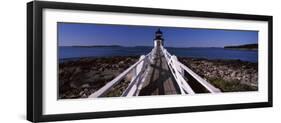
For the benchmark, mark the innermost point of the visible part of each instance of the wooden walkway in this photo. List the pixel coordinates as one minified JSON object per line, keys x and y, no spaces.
{"x":159,"y":80}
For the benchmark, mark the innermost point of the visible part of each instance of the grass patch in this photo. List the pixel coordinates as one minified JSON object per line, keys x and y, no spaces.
{"x":231,"y":86}
{"x":118,"y":89}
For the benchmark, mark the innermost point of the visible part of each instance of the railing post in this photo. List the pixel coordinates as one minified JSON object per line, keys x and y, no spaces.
{"x":139,"y":67}
{"x":176,"y":72}
{"x":152,"y":55}
{"x":141,"y":64}
{"x":136,"y":77}
{"x":176,"y":65}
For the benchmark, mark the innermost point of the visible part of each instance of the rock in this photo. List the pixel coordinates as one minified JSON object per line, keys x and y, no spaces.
{"x":108,"y":77}
{"x":233,"y":74}
{"x":85,"y":86}
{"x":84,"y":96}
{"x":101,"y":69}
{"x":81,"y":93}
{"x":121,"y":62}
{"x":73,"y":85}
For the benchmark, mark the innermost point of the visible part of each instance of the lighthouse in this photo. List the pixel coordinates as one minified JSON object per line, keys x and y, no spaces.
{"x":158,"y":40}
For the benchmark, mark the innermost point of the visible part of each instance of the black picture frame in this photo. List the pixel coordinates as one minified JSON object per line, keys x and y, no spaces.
{"x":34,"y":60}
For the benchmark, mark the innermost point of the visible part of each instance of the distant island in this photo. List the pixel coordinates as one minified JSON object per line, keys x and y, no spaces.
{"x":104,"y":46}
{"x":243,"y":47}
{"x":89,"y":46}
{"x":140,"y":46}
{"x":239,"y":47}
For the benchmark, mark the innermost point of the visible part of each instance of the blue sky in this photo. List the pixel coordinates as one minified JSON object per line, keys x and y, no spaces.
{"x":70,"y":34}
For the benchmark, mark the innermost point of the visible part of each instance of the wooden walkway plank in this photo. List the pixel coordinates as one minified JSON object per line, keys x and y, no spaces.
{"x":159,"y":80}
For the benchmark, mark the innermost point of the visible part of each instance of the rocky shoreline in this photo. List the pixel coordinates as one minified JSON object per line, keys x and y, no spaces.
{"x":81,"y":77}
{"x":227,"y":75}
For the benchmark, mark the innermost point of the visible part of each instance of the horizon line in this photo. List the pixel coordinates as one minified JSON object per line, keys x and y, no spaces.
{"x":149,"y":46}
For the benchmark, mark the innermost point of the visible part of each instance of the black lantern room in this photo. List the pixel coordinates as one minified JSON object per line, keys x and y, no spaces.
{"x":158,"y":40}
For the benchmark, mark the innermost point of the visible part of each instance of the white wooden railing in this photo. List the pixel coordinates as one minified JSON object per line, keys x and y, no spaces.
{"x":178,"y":69}
{"x":137,"y":73}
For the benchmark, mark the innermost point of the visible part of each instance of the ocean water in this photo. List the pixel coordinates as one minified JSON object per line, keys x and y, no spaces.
{"x":68,"y":53}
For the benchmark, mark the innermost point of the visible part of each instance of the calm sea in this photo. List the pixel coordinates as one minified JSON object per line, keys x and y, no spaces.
{"x":68,"y":53}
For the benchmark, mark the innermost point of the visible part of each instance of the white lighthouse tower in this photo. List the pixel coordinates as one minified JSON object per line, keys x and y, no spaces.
{"x":158,"y":40}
